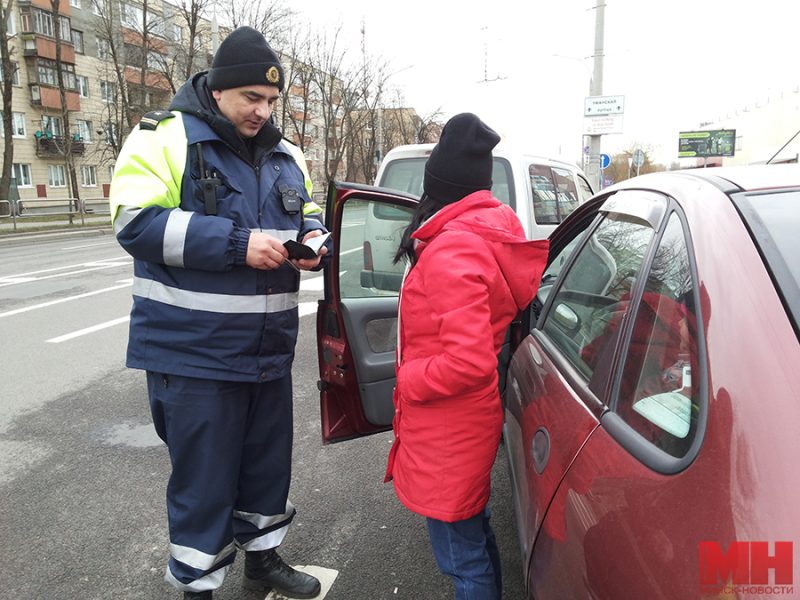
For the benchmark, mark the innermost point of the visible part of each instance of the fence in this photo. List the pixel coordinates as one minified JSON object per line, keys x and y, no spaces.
{"x":71,"y":208}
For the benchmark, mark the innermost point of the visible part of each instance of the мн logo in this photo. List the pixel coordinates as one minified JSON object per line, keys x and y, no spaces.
{"x":746,"y":566}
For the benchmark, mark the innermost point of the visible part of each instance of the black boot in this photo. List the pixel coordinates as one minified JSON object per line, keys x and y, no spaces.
{"x":265,"y":570}
{"x":197,"y":595}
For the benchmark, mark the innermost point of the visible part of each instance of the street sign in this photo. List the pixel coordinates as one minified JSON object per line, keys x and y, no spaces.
{"x":603,"y":105}
{"x":601,"y":124}
{"x":605,"y":161}
{"x":638,"y":158}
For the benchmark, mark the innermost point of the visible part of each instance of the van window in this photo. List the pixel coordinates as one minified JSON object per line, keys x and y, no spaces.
{"x":554,"y":193}
{"x":407,"y":174}
{"x":404,"y":175}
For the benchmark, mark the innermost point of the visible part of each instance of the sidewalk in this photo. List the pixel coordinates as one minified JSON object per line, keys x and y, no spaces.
{"x":31,"y":226}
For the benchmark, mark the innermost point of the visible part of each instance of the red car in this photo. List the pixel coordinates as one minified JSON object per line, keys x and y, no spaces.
{"x":652,"y":389}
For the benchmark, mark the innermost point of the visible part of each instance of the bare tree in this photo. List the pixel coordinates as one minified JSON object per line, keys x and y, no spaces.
{"x":271,"y":17}
{"x":66,"y":145}
{"x":7,"y":50}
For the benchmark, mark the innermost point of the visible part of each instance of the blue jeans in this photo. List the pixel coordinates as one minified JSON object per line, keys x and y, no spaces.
{"x":467,"y":552}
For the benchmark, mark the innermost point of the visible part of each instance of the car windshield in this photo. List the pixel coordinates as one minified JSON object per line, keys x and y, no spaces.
{"x":406,"y":175}
{"x":774,"y":219}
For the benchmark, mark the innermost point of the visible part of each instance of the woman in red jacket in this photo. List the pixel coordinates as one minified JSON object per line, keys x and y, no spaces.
{"x":471,"y":270}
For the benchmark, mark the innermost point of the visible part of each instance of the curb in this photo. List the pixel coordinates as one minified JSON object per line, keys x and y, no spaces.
{"x":82,"y":232}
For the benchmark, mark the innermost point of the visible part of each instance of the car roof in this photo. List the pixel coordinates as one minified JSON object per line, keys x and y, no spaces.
{"x":728,"y":179}
{"x":502,"y":150}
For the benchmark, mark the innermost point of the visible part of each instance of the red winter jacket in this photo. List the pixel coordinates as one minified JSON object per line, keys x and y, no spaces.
{"x":475,"y":271}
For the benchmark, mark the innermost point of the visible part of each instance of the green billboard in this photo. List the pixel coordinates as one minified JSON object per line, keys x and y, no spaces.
{"x":714,"y":142}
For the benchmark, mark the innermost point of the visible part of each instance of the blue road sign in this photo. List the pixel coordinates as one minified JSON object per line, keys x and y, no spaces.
{"x":605,"y":160}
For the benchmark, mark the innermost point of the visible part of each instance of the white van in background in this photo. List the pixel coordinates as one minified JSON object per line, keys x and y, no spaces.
{"x":542,"y":191}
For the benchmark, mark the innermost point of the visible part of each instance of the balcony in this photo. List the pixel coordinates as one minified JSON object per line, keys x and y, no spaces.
{"x":50,"y":146}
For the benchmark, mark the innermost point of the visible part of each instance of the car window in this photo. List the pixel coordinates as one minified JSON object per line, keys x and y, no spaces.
{"x":566,"y":191}
{"x":658,"y":396}
{"x":370,"y":236}
{"x":595,"y":293}
{"x":554,"y":193}
{"x":773,"y":219}
{"x":407,"y":175}
{"x":584,"y":189}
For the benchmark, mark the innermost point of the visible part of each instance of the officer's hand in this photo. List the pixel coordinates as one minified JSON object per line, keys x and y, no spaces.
{"x":264,"y":251}
{"x":309,"y":263}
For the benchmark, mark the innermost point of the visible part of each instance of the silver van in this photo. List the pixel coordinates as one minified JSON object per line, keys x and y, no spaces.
{"x":542,"y":191}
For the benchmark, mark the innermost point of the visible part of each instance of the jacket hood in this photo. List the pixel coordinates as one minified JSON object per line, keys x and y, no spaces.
{"x":194,"y":98}
{"x":521,"y":261}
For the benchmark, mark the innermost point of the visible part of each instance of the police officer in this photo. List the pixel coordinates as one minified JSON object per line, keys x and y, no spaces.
{"x":203,"y":197}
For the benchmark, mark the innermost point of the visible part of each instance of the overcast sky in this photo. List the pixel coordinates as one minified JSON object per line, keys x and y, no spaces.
{"x":677,"y":63}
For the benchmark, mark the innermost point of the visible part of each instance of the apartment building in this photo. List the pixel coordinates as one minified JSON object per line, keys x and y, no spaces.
{"x":118,"y":63}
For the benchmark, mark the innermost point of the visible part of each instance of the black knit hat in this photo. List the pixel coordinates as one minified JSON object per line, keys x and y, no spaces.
{"x":461,"y":163}
{"x":245,"y":58}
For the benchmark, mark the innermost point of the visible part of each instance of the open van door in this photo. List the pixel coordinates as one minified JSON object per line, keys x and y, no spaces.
{"x":357,"y":317}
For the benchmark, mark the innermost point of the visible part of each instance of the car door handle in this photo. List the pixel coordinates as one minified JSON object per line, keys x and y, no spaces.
{"x":540,"y":449}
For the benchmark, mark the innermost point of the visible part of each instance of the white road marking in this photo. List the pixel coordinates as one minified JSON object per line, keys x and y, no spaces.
{"x":113,"y":242}
{"x":312,"y":284}
{"x":92,"y":329}
{"x":307,"y":308}
{"x":349,"y":251}
{"x":110,"y":263}
{"x":326,"y":578}
{"x":60,"y":300}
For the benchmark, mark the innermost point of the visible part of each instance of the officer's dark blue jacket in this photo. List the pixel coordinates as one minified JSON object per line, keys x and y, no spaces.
{"x":198,"y":309}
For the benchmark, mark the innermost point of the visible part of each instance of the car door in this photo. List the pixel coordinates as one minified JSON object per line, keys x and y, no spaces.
{"x":559,"y":376}
{"x":357,"y":317}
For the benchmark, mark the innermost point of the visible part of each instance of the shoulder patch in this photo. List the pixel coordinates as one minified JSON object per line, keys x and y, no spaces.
{"x":150,"y":121}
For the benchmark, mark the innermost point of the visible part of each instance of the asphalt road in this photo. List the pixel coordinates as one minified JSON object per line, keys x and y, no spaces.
{"x":83,"y":476}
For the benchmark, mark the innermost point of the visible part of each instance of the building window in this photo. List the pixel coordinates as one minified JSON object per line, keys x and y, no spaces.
{"x":132,"y":16}
{"x":75,"y":3}
{"x":18,"y":124}
{"x":14,"y":73}
{"x":84,"y":130}
{"x":111,"y":172}
{"x":66,"y":30}
{"x":97,"y":7}
{"x":177,"y":33}
{"x":52,"y":125}
{"x":89,"y":176}
{"x":83,"y":86}
{"x":12,"y":24}
{"x":155,"y":61}
{"x":42,"y":22}
{"x":77,"y":40}
{"x":108,"y":91}
{"x":110,"y":131}
{"x":46,"y":70}
{"x":22,"y":173}
{"x":103,"y":49}
{"x":56,"y":176}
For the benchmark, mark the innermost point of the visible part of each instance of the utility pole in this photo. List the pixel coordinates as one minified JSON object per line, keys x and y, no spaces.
{"x":593,"y":172}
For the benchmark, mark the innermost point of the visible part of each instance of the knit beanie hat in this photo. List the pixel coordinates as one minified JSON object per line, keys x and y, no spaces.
{"x":461,"y":163}
{"x":245,"y":58}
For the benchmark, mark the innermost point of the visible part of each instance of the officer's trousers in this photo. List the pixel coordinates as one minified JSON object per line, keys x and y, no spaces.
{"x":230,"y":444}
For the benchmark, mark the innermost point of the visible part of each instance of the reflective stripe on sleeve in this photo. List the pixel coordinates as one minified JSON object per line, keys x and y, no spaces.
{"x":218,"y":303}
{"x":175,"y":236}
{"x":125,"y":215}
